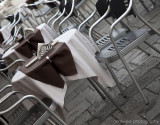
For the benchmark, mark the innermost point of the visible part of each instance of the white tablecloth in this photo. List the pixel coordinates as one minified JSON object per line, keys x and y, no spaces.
{"x":84,"y":56}
{"x":86,"y":64}
{"x":47,"y":33}
{"x":6,"y":32}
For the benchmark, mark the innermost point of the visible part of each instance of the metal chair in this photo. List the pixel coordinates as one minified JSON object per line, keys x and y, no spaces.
{"x":111,"y":48}
{"x":37,"y":115}
{"x":17,"y":114}
{"x":71,"y":13}
{"x":17,"y":62}
{"x":17,"y":20}
{"x":16,"y":29}
{"x":42,"y":8}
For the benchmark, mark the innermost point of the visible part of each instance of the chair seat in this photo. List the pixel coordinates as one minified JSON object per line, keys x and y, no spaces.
{"x":69,"y":27}
{"x":105,"y":40}
{"x":125,"y":44}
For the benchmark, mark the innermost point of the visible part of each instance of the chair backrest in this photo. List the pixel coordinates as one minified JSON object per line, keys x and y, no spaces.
{"x":67,"y":7}
{"x":102,"y":6}
{"x":51,"y":4}
{"x":74,"y":14}
{"x":36,"y":115}
{"x":10,"y":18}
{"x":106,"y":9}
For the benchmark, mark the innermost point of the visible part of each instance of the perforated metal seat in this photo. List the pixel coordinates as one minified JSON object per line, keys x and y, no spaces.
{"x":124,"y":44}
{"x":37,"y":115}
{"x":105,"y":40}
{"x":68,"y":28}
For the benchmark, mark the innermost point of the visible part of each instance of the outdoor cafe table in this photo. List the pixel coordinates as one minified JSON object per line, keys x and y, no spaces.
{"x":23,"y":51}
{"x":86,"y":65}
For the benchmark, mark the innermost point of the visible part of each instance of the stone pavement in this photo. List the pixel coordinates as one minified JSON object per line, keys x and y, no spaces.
{"x":84,"y":106}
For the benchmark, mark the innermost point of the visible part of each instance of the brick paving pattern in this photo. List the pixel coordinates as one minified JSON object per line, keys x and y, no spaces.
{"x":84,"y":106}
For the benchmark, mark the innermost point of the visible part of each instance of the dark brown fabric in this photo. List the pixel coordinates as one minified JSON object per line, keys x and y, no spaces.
{"x":27,"y":46}
{"x":30,"y":1}
{"x":1,"y":38}
{"x":118,"y":7}
{"x":44,"y":71}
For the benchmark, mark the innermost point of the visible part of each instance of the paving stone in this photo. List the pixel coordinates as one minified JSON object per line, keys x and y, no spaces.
{"x":155,"y":121}
{"x":94,"y":98}
{"x":136,"y":120}
{"x":153,"y":39}
{"x":65,"y":111}
{"x":131,"y":55}
{"x":114,"y":92}
{"x":134,"y":106}
{"x":154,"y":86}
{"x":146,"y":66}
{"x":77,"y":111}
{"x":141,"y":70}
{"x":148,"y":17}
{"x":101,"y":110}
{"x":94,"y":121}
{"x":70,"y":97}
{"x":154,"y":111}
{"x":86,"y":93}
{"x":82,"y":119}
{"x":121,"y":74}
{"x":81,"y":88}
{"x":110,"y":121}
{"x":139,"y":59}
{"x":72,"y":85}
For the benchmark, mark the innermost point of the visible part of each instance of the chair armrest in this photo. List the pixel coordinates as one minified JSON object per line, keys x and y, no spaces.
{"x":5,"y":87}
{"x":12,"y":64}
{"x":4,"y":98}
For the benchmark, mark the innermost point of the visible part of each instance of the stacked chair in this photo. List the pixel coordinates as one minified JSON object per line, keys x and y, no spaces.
{"x":114,"y":45}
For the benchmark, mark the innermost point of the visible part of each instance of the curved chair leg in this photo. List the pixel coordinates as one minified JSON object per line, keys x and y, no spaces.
{"x":121,"y":56}
{"x":115,"y":78}
{"x":96,"y":88}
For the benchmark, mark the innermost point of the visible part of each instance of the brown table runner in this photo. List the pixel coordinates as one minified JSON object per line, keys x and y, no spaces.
{"x":44,"y":71}
{"x":27,"y":46}
{"x":30,"y":1}
{"x":1,"y":38}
